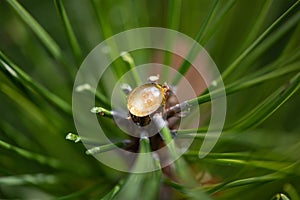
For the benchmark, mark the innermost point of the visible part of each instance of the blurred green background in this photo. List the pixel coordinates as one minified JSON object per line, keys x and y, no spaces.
{"x":265,"y":149}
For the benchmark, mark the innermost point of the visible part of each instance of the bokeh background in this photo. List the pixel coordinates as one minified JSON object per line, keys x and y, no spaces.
{"x":265,"y":152}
